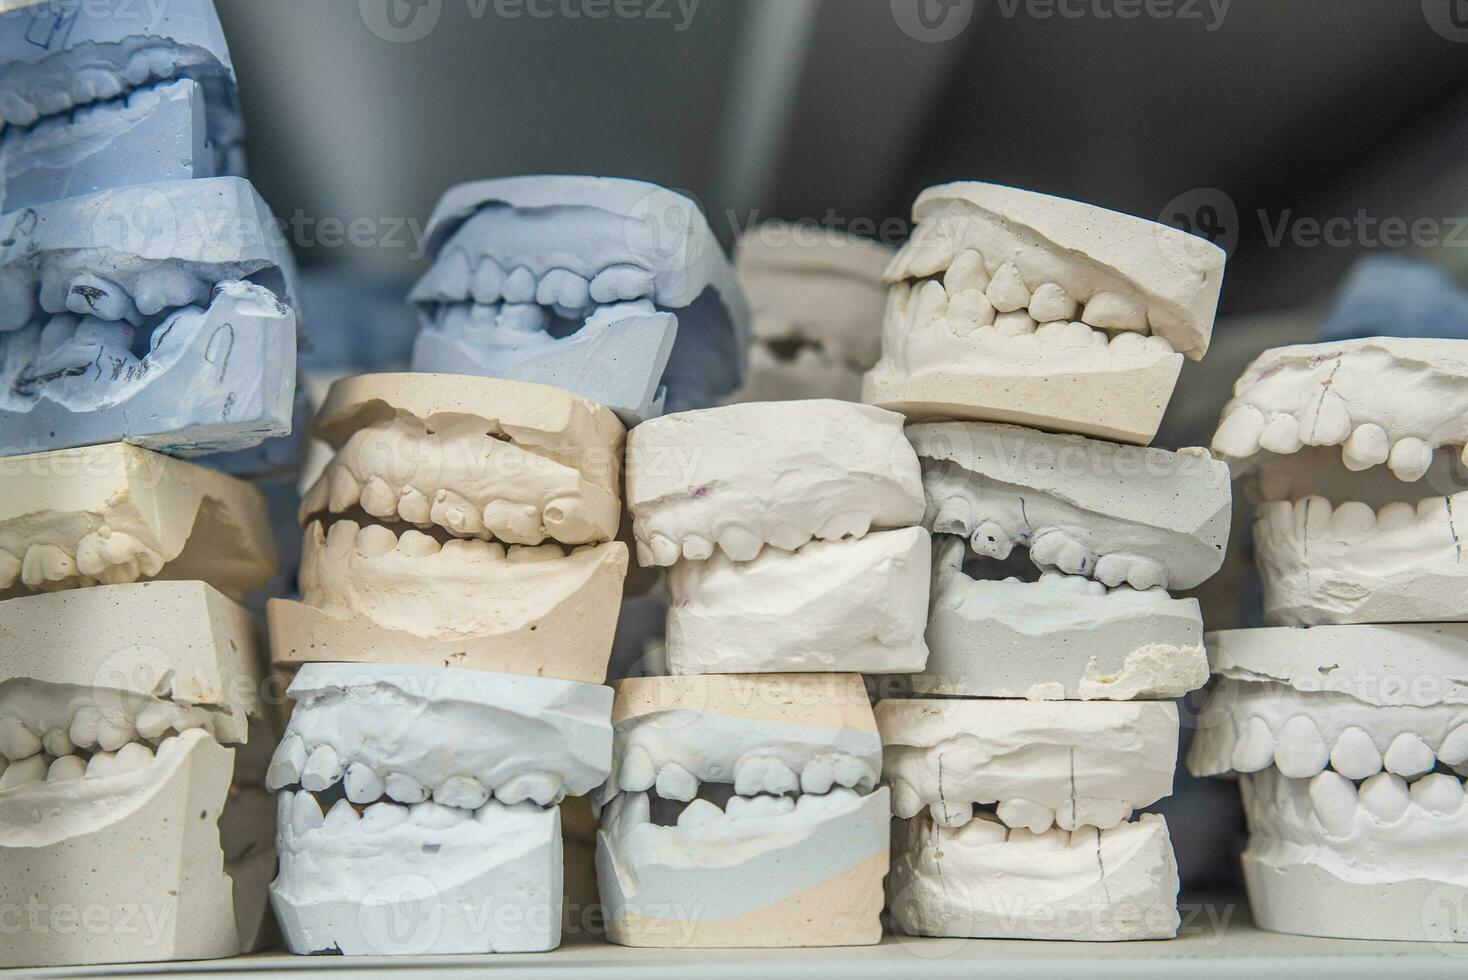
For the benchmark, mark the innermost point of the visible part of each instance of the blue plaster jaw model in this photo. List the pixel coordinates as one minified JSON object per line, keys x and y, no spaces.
{"x":615,"y":289}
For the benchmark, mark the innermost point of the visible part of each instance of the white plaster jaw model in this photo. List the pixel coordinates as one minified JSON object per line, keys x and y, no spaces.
{"x":119,"y":708}
{"x":463,"y":522}
{"x":1110,"y":528}
{"x":743,"y":810}
{"x":1351,"y":744}
{"x":549,"y":279}
{"x":116,"y":514}
{"x":1060,"y":856}
{"x":417,"y":805}
{"x":1011,"y":306}
{"x":1390,"y":551}
{"x":815,"y":300}
{"x":789,"y":526}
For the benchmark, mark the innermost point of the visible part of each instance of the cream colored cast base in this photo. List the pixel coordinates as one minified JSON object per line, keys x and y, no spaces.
{"x":115,"y":514}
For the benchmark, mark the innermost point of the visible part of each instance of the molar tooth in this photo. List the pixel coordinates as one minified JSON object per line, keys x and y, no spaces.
{"x":966,"y":273}
{"x":90,"y":295}
{"x":414,"y":507}
{"x":699,"y":813}
{"x":1113,"y":311}
{"x":1366,"y":447}
{"x":133,"y":755}
{"x":525,"y":554}
{"x":16,"y":740}
{"x":382,"y":817}
{"x":1007,"y":290}
{"x":1112,"y":570}
{"x":1076,"y":335}
{"x":17,"y":110}
{"x":345,"y":490}
{"x":416,"y":544}
{"x":1327,"y":421}
{"x":374,"y":541}
{"x":1145,"y":573}
{"x":1016,"y":324}
{"x":1454,"y":749}
{"x":306,"y":814}
{"x":101,"y":765}
{"x":1255,"y":748}
{"x":541,"y":788}
{"x":1352,"y":518}
{"x":676,"y":783}
{"x":1410,"y":459}
{"x":951,"y":815}
{"x":637,"y":774}
{"x":981,"y":831}
{"x":113,"y":732}
{"x":758,"y":807}
{"x":323,"y":769}
{"x":379,"y":499}
{"x":1035,"y":817}
{"x":67,"y":768}
{"x":1051,"y":302}
{"x":617,"y":283}
{"x":341,"y":538}
{"x":992,"y":540}
{"x":1128,"y":342}
{"x":1438,"y":793}
{"x":1385,"y":797}
{"x":487,"y":285}
{"x":740,"y":544}
{"x":361,"y":782}
{"x":968,"y":311}
{"x":852,"y":524}
{"x":1395,"y":516}
{"x":404,"y":788}
{"x":1238,"y":437}
{"x":1281,"y":435}
{"x":851,"y":772}
{"x":514,"y":523}
{"x":1302,"y":751}
{"x":561,"y":287}
{"x":163,"y":288}
{"x":1409,"y":757}
{"x":764,"y":775}
{"x":1046,"y":548}
{"x":463,"y":792}
{"x":455,"y":513}
{"x":286,"y":764}
{"x":818,"y":776}
{"x":23,"y":771}
{"x":1334,"y":799}
{"x":1355,"y":755}
{"x":696,"y":548}
{"x":44,"y":564}
{"x":1095,"y":813}
{"x":341,"y":817}
{"x":56,"y":743}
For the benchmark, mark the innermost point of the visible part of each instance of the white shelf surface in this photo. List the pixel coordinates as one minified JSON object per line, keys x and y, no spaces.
{"x":1200,"y":952}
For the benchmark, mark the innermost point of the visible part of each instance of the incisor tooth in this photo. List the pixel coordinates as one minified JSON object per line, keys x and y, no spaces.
{"x":1238,"y":437}
{"x":636,"y":774}
{"x":306,"y":813}
{"x":1255,"y":748}
{"x":17,"y":741}
{"x":345,"y":491}
{"x":286,"y":764}
{"x":9,"y":569}
{"x":323,"y":769}
{"x":1334,"y":799}
{"x":966,"y":273}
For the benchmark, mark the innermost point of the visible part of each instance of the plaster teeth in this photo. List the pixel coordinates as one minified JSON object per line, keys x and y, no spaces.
{"x":739,"y":544}
{"x":513,"y":523}
{"x":341,"y":538}
{"x":101,"y":765}
{"x":525,"y":554}
{"x":382,"y":817}
{"x":1366,"y":447}
{"x":621,"y":283}
{"x":951,"y":815}
{"x":665,"y":550}
{"x":361,"y":783}
{"x":9,"y":569}
{"x":1113,"y":311}
{"x":1051,"y":302}
{"x":344,"y":491}
{"x":1438,"y":793}
{"x":1281,"y":435}
{"x":637,"y":773}
{"x":1145,"y":574}
{"x":561,"y":287}
{"x":852,"y":773}
{"x":676,"y":783}
{"x":1355,"y":755}
{"x":374,"y":541}
{"x":113,"y":732}
{"x":323,"y":769}
{"x":453,"y":512}
{"x":45,"y":564}
{"x":758,"y":807}
{"x":981,"y":831}
{"x":403,"y":788}
{"x":1016,"y":324}
{"x":462,"y":792}
{"x":314,"y":501}
{"x":164,"y":288}
{"x":542,"y":789}
{"x":1410,"y":459}
{"x":306,"y":814}
{"x":56,"y":743}
{"x":84,"y":726}
{"x":1385,"y":797}
{"x":1352,"y":518}
{"x":286,"y":764}
{"x":133,"y":755}
{"x":850,"y":525}
{"x":699,"y":813}
{"x":992,"y":540}
{"x":414,"y":507}
{"x":1095,"y":814}
{"x":24,"y":771}
{"x":17,"y":741}
{"x":342,"y":817}
{"x":764,"y":775}
{"x":1254,"y":750}
{"x":1302,"y":751}
{"x":786,"y":537}
{"x":153,"y":720}
{"x":488,"y":282}
{"x":818,"y":776}
{"x":1035,"y":817}
{"x":519,"y":286}
{"x":1454,"y":748}
{"x":90,"y":295}
{"x":1395,"y":516}
{"x":379,"y":499}
{"x":1007,"y":289}
{"x":906,"y":803}
{"x":968,"y":311}
{"x":65,"y":769}
{"x":1327,"y":420}
{"x":966,"y":274}
{"x":416,"y":544}
{"x":1334,"y":798}
{"x":1241,"y":433}
{"x":1409,"y":756}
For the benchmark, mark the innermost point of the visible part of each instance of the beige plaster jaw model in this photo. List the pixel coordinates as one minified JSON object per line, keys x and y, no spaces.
{"x":1017,"y":307}
{"x":1378,"y":549}
{"x":464,"y":522}
{"x":1059,"y":857}
{"x":119,"y":708}
{"x":815,"y":301}
{"x":116,"y":514}
{"x":743,"y":810}
{"x":1351,"y":744}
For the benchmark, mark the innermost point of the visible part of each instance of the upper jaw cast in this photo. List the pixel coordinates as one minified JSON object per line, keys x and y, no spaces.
{"x":539,"y":278}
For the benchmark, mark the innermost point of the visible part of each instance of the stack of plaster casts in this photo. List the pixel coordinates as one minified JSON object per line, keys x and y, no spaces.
{"x":146,"y":313}
{"x":1349,"y":738}
{"x":744,"y":805}
{"x":461,"y":579}
{"x":1038,"y":727}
